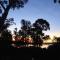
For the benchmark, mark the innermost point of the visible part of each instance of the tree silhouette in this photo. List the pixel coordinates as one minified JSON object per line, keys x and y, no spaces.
{"x":6,"y":36}
{"x":25,"y":26}
{"x":47,"y":37}
{"x":35,"y":30}
{"x":56,"y":39}
{"x":6,"y":24}
{"x":15,"y":31}
{"x":6,"y":39}
{"x":20,"y":33}
{"x":54,"y":49}
{"x":55,"y":1}
{"x":6,"y":5}
{"x":39,"y":26}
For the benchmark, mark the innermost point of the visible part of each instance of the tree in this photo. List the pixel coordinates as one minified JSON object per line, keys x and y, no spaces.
{"x":20,"y":33}
{"x":6,"y":36}
{"x":15,"y":31}
{"x":56,"y":39}
{"x":6,"y":39}
{"x":55,"y":1}
{"x":47,"y":37}
{"x":39,"y":26}
{"x":35,"y":30}
{"x":6,"y":5}
{"x":6,"y":24}
{"x":25,"y":26}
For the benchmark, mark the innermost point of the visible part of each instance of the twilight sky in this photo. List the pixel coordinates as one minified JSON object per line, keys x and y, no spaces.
{"x":35,"y":9}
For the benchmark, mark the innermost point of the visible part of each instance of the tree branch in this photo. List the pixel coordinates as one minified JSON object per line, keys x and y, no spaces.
{"x":2,"y":6}
{"x":4,"y":15}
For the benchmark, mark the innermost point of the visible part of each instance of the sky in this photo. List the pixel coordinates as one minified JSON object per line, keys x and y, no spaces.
{"x":35,"y":9}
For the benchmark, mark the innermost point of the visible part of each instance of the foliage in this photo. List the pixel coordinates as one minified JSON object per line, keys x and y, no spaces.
{"x":35,"y":30}
{"x":15,"y":31}
{"x":47,"y":37}
{"x":5,"y":6}
{"x":6,"y":35}
{"x":6,"y":38}
{"x":56,"y":39}
{"x":6,"y":24}
{"x":11,"y":4}
{"x":55,"y":1}
{"x":25,"y":27}
{"x":39,"y":26}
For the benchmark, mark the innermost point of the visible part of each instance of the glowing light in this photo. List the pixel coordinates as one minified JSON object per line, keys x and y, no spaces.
{"x":57,"y":34}
{"x":13,"y":37}
{"x":51,"y":36}
{"x":44,"y":46}
{"x":30,"y":45}
{"x":13,"y":45}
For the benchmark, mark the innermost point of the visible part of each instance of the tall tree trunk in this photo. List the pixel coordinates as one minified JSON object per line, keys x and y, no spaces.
{"x":4,"y":15}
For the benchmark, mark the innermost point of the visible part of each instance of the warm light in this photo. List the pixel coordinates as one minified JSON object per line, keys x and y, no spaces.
{"x":13,"y":45}
{"x":30,"y":45}
{"x":13,"y":37}
{"x":44,"y":46}
{"x":48,"y":41}
{"x":30,"y":39}
{"x":57,"y":34}
{"x":51,"y":36}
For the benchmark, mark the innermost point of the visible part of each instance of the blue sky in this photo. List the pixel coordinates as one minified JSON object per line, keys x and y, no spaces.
{"x":35,"y":9}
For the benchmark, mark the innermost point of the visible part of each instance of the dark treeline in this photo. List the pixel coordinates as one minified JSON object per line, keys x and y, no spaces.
{"x":35,"y":31}
{"x":52,"y":52}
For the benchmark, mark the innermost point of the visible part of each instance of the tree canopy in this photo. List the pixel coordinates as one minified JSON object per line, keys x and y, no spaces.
{"x":55,"y":1}
{"x":34,"y":30}
{"x":5,"y":6}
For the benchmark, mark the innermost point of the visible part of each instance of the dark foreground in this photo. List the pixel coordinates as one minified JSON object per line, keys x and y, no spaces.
{"x":33,"y":53}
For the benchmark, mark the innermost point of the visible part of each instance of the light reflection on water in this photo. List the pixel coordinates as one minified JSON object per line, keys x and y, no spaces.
{"x":44,"y":46}
{"x":30,"y":45}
